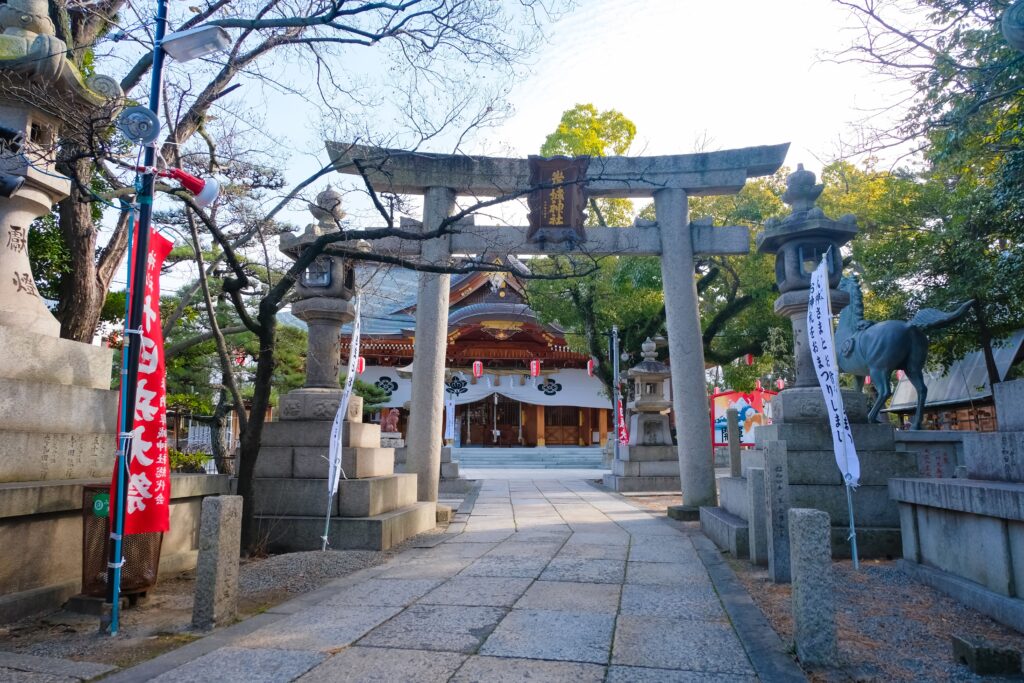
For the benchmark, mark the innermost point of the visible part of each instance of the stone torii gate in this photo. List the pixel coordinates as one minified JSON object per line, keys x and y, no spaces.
{"x":670,"y":180}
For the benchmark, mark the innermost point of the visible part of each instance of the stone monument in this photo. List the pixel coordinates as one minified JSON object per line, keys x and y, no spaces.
{"x":374,"y":508}
{"x":649,"y":461}
{"x":57,"y":413}
{"x":965,"y":536}
{"x":810,"y":478}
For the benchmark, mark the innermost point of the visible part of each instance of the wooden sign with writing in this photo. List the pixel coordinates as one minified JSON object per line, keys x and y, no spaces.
{"x":557,"y":202}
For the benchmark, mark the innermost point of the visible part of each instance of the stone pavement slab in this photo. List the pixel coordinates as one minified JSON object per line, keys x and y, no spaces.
{"x":571,"y":597}
{"x":636,"y":674}
{"x":14,"y":666}
{"x":688,"y":601}
{"x":594,"y":551}
{"x":584,"y":570}
{"x":324,"y":628}
{"x":514,"y":567}
{"x":479,"y":669}
{"x":478,"y":591}
{"x":385,"y":665}
{"x":666,"y":574}
{"x":437,"y":627}
{"x":252,"y":665}
{"x":666,"y":643}
{"x":385,"y":592}
{"x":547,"y":634}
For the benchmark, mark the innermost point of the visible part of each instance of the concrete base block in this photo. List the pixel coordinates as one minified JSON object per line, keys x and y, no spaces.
{"x":444,"y":514}
{"x":871,"y":504}
{"x":51,"y":360}
{"x":36,"y":456}
{"x":27,"y":406}
{"x":815,"y":436}
{"x":1009,"y":611}
{"x":296,"y":433}
{"x":807,"y":405}
{"x":292,"y":497}
{"x":446,"y":454}
{"x":375,"y":495}
{"x":358,"y":463}
{"x":683,"y":513}
{"x":449,"y":470}
{"x":732,"y":495}
{"x":400,"y":456}
{"x":986,"y":659}
{"x":726,"y":530}
{"x":645,"y":468}
{"x":649,"y":453}
{"x":623,"y":484}
{"x":379,"y":532}
{"x":994,"y":456}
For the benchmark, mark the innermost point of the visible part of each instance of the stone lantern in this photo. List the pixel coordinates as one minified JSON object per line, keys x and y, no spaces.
{"x":324,"y":291}
{"x":799,"y":241}
{"x":648,"y":426}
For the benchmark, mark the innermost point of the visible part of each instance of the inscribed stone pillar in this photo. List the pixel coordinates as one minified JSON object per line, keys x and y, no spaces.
{"x":426,"y":415}
{"x":757,"y":510}
{"x":776,"y":470}
{"x":686,"y":350}
{"x":220,"y":537}
{"x":732,"y":420}
{"x":814,"y":607}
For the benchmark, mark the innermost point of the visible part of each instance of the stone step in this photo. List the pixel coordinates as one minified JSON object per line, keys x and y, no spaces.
{"x":811,"y":436}
{"x":656,"y":468}
{"x":379,"y":532}
{"x":640,"y":484}
{"x":726,"y":530}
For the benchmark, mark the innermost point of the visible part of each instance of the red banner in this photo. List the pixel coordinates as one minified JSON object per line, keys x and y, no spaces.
{"x":149,"y":481}
{"x":623,"y":431}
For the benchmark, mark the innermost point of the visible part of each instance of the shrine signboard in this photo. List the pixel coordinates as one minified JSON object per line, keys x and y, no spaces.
{"x":556,"y":205}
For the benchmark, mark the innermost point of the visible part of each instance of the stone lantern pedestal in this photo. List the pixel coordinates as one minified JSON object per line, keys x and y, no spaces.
{"x":793,"y":463}
{"x":375,"y":508}
{"x":650,"y":461}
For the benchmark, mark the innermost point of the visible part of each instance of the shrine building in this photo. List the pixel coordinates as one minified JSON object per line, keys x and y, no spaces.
{"x":490,"y":324}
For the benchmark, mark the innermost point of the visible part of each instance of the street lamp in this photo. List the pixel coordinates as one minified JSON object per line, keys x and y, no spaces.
{"x":181,"y":45}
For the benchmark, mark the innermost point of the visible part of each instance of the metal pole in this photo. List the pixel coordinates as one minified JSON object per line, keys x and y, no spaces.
{"x":853,"y":529}
{"x":133,"y":326}
{"x":615,"y":381}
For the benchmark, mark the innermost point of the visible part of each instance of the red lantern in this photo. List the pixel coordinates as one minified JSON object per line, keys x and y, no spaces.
{"x":534,"y":368}
{"x":750,"y":359}
{"x":781,"y":384}
{"x":867,"y":379}
{"x":478,"y":369}
{"x":360,"y":365}
{"x":757,"y":385}
{"x":590,"y":367}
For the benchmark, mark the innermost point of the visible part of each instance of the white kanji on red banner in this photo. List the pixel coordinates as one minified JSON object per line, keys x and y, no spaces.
{"x":147,"y":506}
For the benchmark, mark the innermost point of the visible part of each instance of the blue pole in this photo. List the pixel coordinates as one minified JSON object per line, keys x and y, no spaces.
{"x":133,"y":327}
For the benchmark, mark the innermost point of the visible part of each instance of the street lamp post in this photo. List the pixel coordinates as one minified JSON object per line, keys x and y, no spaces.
{"x":183,"y":45}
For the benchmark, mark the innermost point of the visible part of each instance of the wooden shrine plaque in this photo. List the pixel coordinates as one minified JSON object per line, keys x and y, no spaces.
{"x":556,"y":203}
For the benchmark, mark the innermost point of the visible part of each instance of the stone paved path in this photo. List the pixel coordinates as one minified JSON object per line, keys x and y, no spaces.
{"x":548,"y":580}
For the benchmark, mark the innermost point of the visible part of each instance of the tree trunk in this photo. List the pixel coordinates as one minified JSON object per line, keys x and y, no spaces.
{"x":80,"y":297}
{"x":985,"y":336}
{"x":253,"y":433}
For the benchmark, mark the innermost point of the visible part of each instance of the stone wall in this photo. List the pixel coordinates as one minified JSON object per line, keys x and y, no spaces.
{"x":42,"y":524}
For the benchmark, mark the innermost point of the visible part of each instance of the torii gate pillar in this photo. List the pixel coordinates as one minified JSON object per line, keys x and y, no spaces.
{"x":686,"y":351}
{"x":423,"y":454}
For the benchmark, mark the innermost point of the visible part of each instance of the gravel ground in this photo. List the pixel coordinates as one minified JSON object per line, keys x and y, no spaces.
{"x":162,"y":621}
{"x":890,"y":627}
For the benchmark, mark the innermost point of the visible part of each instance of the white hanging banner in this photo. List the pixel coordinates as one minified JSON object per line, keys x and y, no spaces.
{"x":334,"y":474}
{"x":823,"y":354}
{"x":449,"y":417}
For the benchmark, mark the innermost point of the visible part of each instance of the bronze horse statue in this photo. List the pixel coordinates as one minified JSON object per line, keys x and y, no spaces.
{"x":878,"y":348}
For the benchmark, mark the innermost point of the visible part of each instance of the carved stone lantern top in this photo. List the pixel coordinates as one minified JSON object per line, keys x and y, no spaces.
{"x":801,"y":239}
{"x":649,"y":377}
{"x":329,"y":275}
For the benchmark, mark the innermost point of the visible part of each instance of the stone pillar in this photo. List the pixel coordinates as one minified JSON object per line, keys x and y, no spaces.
{"x":793,"y":305}
{"x":324,"y":317}
{"x":814,"y":607}
{"x":776,"y":469}
{"x":686,"y":351}
{"x":757,"y":522}
{"x":426,"y":415}
{"x":732,"y":421}
{"x":220,"y":538}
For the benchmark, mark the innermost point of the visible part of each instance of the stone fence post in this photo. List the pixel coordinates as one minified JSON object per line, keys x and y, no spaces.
{"x":220,"y":538}
{"x":814,"y":606}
